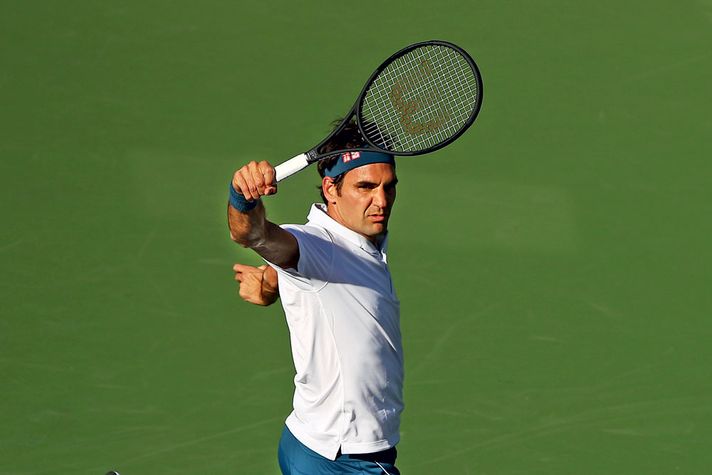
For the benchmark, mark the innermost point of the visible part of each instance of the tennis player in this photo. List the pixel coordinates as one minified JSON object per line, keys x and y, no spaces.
{"x":341,"y":309}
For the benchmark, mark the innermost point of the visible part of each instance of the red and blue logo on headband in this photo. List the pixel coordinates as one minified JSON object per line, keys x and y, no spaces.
{"x":350,"y":160}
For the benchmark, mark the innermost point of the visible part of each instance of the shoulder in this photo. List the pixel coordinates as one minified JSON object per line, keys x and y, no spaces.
{"x":310,"y":232}
{"x":316,"y":250}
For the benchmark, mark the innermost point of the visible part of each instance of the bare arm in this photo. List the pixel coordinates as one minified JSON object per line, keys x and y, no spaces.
{"x":251,"y":228}
{"x":258,"y":285}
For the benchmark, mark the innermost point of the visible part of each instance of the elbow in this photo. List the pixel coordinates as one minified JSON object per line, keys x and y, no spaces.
{"x":240,"y":239}
{"x":246,"y":240}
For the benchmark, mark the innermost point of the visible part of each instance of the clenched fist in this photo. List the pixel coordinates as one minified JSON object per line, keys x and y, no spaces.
{"x":255,"y":180}
{"x":258,"y":285}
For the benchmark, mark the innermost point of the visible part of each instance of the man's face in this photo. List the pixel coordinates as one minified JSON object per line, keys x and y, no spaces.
{"x":365,"y":200}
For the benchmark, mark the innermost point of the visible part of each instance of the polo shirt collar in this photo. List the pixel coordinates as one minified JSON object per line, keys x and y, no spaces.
{"x":318,"y":215}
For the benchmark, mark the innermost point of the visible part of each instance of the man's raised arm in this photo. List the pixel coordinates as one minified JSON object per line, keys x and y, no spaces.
{"x":247,"y":219}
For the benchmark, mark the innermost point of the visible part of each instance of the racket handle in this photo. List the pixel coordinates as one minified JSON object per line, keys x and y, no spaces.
{"x":291,"y":166}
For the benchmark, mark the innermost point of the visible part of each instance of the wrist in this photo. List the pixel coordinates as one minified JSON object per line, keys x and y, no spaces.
{"x":239,"y":202}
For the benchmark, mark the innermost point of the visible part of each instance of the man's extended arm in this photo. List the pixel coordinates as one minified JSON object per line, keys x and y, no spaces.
{"x":250,"y":228}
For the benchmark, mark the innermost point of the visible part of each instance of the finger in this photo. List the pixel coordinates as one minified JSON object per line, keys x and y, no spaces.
{"x":268,"y":172}
{"x":257,"y":174}
{"x":242,"y":186}
{"x":257,"y":178}
{"x":251,"y":186}
{"x":262,"y":267}
{"x":247,"y":295}
{"x":270,"y":183}
{"x":243,"y":294}
{"x":245,"y":269}
{"x":237,"y":181}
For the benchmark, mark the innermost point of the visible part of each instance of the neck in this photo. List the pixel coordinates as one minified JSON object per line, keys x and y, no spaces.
{"x":334,"y":214}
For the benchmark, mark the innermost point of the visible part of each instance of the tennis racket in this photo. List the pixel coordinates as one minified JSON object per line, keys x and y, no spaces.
{"x":419,"y":100}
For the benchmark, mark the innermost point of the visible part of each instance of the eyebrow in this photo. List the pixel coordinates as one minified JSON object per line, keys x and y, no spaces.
{"x":371,"y":183}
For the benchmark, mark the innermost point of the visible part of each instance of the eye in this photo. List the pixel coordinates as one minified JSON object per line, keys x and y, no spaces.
{"x":365,"y":186}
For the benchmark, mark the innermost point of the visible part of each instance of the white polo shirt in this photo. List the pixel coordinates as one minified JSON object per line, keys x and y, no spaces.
{"x":344,"y":325}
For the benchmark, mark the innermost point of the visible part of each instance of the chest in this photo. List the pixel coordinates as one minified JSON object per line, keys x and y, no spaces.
{"x":361,"y":269}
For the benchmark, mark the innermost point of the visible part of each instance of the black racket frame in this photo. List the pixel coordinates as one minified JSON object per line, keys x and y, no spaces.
{"x":314,"y":154}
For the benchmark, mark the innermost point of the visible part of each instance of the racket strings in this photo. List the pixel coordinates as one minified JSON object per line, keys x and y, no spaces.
{"x":420,"y":100}
{"x":447,"y":106}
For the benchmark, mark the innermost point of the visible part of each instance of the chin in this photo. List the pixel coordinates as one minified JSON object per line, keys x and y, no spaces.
{"x":378,"y":230}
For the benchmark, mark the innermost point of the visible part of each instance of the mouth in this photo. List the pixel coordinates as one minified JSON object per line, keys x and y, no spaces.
{"x":378,"y":218}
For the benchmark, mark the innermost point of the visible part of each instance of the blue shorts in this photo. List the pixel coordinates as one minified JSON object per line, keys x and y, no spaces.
{"x":296,"y":458}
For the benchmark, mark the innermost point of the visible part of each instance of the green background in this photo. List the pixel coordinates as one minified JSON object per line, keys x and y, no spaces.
{"x":553,"y":264}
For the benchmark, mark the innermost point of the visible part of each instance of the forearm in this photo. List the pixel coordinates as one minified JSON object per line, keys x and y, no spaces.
{"x":252,"y":230}
{"x":247,"y":228}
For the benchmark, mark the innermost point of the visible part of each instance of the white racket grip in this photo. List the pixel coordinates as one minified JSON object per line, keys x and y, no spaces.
{"x":291,"y":166}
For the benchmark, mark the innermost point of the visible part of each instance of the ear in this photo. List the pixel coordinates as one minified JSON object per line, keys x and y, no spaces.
{"x":329,"y":189}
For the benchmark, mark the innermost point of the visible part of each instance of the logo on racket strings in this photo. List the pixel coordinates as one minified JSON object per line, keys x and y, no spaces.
{"x":427,"y":100}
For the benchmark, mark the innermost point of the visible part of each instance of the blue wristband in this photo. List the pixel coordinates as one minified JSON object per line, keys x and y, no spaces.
{"x":238,"y":201}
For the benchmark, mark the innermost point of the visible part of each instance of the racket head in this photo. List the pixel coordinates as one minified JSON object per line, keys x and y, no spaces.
{"x":420,"y":99}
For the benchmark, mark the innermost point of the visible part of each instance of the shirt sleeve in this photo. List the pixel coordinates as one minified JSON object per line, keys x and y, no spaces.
{"x":316,"y":250}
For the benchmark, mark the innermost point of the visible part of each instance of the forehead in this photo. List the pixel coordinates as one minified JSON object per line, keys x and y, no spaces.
{"x":374,"y":173}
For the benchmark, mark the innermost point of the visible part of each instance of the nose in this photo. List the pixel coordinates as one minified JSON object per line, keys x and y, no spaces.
{"x":380,"y":197}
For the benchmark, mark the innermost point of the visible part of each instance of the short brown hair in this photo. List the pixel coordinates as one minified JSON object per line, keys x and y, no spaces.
{"x":348,"y":137}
